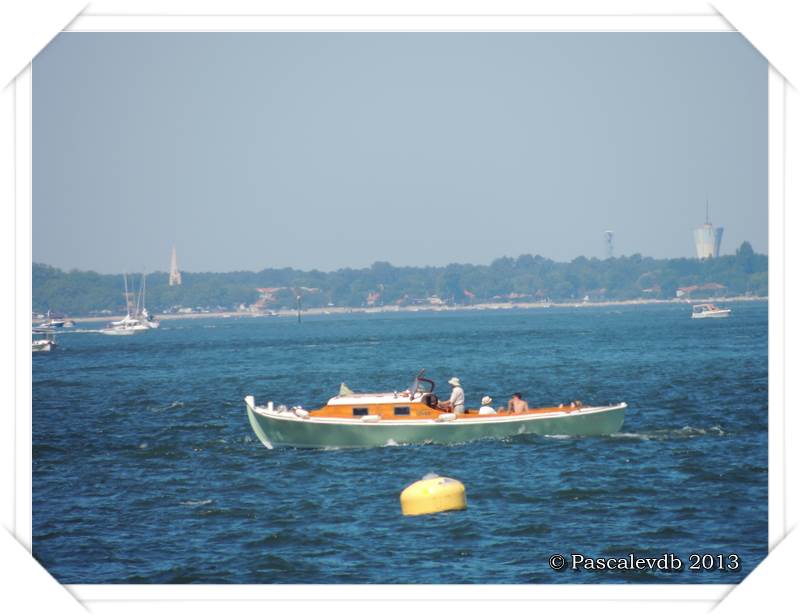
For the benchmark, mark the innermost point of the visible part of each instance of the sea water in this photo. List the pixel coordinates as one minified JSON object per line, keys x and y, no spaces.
{"x":145,"y":469}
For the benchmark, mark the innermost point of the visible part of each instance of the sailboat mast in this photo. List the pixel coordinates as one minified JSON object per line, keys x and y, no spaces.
{"x":127,"y":297}
{"x":138,"y":301}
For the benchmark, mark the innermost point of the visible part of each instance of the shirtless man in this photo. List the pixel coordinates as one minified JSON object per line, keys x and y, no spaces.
{"x":517,"y":404}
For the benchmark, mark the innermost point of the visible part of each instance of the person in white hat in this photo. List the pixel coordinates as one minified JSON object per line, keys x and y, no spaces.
{"x":485,"y":408}
{"x":456,"y":402}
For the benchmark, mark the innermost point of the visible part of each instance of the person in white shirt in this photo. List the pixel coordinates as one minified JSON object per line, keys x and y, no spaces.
{"x":485,"y":408}
{"x":456,"y":402}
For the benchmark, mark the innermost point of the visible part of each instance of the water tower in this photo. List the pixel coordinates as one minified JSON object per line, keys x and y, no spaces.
{"x":609,"y":244}
{"x":707,"y":239}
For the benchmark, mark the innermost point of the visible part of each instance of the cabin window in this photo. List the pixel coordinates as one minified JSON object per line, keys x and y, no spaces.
{"x":360,"y":412}
{"x":402,"y":410}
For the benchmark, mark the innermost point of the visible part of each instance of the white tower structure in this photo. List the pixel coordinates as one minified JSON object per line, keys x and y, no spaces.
{"x":707,"y":239}
{"x":174,"y":273}
{"x":609,"y":244}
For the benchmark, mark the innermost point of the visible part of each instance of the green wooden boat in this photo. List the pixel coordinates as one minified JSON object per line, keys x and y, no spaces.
{"x":415,"y":416}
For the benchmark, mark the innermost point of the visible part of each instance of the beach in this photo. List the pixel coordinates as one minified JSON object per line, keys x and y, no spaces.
{"x":426,"y":308}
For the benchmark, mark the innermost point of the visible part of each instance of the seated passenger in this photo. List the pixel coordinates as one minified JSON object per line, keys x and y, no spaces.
{"x":517,"y":404}
{"x":485,"y":408}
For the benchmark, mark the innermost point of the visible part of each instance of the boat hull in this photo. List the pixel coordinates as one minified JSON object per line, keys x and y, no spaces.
{"x":121,"y":331}
{"x":286,"y":429}
{"x":712,"y":315}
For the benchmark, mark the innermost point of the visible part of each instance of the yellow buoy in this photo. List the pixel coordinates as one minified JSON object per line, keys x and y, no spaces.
{"x":433,"y":494}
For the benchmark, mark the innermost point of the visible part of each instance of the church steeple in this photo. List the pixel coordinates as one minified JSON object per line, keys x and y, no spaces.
{"x":174,"y":273}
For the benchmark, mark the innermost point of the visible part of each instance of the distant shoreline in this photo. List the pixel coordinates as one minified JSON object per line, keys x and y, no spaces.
{"x":427,"y":308}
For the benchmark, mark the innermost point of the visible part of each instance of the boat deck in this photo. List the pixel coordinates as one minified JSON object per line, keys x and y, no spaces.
{"x":403,"y":410}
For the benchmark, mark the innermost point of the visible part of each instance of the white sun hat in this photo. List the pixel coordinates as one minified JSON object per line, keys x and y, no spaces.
{"x":486,"y":400}
{"x":454,"y":382}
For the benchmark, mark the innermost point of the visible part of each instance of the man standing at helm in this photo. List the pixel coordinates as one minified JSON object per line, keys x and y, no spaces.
{"x":456,"y":401}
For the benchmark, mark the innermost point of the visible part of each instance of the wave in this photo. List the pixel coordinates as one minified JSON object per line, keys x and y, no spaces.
{"x":197,"y":503}
{"x":580,"y":493}
{"x":525,"y":530}
{"x":175,"y":404}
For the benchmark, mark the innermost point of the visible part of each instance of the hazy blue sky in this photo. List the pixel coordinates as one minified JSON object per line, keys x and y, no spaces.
{"x":330,"y":150}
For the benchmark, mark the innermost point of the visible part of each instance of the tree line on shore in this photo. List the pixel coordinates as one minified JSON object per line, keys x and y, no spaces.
{"x":524,"y":279}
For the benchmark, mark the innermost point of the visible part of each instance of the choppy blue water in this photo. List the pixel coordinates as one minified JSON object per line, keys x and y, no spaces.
{"x":145,"y":468}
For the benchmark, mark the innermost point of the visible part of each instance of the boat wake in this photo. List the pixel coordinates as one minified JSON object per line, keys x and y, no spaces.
{"x":671,"y":434}
{"x":654,"y":435}
{"x":176,"y":404}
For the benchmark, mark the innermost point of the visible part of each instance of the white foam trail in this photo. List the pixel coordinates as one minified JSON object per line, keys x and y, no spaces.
{"x":661,"y":435}
{"x":643,"y":437}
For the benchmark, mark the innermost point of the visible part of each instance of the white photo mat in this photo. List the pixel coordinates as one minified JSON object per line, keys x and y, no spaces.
{"x":414,"y":16}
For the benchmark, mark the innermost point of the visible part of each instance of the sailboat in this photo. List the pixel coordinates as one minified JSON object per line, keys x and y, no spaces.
{"x":140,"y":314}
{"x":131,"y":323}
{"x":145,"y":317}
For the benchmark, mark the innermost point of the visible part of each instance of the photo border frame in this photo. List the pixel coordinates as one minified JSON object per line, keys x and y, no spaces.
{"x":95,"y":19}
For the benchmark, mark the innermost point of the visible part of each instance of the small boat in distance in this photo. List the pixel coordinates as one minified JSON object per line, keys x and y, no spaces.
{"x":53,"y":321}
{"x":709,"y":311}
{"x":47,"y":343}
{"x":126,"y":329}
{"x":413,"y":416}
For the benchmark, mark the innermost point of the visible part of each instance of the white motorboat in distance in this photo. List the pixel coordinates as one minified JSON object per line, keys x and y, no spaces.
{"x":709,"y":311}
{"x":48,"y":343}
{"x":127,"y":329}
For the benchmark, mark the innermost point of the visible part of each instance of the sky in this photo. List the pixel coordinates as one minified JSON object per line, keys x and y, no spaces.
{"x":327,"y":150}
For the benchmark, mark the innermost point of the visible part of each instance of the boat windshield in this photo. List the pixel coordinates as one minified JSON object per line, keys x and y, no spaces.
{"x":421,"y":385}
